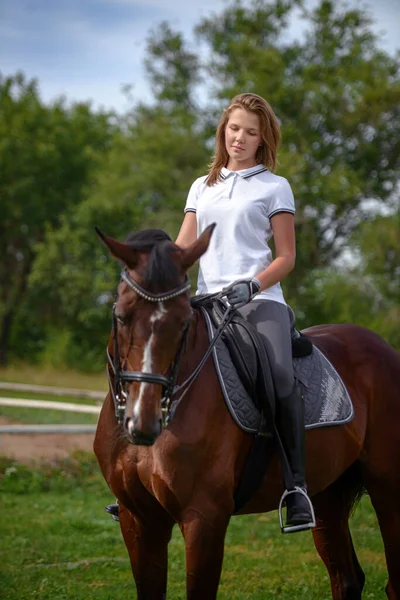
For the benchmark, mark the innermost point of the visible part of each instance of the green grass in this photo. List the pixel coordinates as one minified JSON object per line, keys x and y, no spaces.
{"x":51,"y":377}
{"x":50,"y":397}
{"x":47,"y":375}
{"x":40,"y":416}
{"x":58,"y":544}
{"x":47,"y":416}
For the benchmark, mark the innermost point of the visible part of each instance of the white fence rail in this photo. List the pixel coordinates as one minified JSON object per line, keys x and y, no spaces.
{"x":64,"y":406}
{"x":19,"y":429}
{"x":55,"y":391}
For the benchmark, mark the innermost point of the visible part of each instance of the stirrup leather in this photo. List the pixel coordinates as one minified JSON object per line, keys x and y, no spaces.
{"x":302,"y":526}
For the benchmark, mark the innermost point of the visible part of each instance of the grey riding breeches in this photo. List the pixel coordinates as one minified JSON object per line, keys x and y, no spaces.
{"x":271,"y":320}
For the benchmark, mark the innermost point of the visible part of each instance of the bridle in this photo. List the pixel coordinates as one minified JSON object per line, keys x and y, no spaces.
{"x":168,"y":382}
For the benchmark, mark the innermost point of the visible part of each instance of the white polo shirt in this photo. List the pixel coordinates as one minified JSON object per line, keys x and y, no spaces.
{"x":241,"y":205}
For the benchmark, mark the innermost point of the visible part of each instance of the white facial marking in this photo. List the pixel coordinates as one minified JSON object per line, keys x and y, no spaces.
{"x":147,"y":362}
{"x":130,"y":426}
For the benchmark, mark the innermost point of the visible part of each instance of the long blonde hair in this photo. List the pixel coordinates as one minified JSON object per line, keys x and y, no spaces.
{"x":269,"y":129}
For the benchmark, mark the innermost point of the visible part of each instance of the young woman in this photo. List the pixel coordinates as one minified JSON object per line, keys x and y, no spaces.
{"x":250,"y":204}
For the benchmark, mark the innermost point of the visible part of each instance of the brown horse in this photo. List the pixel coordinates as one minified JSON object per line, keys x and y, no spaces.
{"x":187,"y":472}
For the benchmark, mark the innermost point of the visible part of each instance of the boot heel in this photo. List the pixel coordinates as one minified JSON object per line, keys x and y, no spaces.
{"x":112,"y":509}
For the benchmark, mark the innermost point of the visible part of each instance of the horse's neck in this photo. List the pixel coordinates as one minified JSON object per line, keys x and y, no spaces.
{"x":196,"y":346}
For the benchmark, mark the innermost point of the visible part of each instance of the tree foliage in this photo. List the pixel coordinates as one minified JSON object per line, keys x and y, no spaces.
{"x":141,"y":182}
{"x":173,"y":71}
{"x":47,"y":156}
{"x":66,"y":169}
{"x":337,"y":96}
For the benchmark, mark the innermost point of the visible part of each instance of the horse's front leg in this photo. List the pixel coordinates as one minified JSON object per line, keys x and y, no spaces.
{"x":204,"y":534}
{"x":147,"y":540}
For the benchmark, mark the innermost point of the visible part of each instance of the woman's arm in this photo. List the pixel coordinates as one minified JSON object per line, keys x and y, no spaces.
{"x":188,"y":232}
{"x":285,"y":247}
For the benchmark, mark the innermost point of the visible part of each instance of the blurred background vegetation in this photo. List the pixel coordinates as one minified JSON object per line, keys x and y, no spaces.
{"x":65,"y":168}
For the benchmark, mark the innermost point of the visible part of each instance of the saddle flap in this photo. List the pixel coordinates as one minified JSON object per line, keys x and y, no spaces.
{"x":248,"y":356}
{"x":240,"y":346}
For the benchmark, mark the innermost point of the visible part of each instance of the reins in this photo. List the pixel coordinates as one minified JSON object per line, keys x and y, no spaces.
{"x":192,"y":377}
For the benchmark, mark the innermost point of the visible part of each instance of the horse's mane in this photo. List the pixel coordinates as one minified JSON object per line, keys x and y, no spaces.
{"x":161,"y":272}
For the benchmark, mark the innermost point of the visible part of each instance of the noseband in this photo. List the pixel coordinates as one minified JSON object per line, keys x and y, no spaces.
{"x":120,"y":376}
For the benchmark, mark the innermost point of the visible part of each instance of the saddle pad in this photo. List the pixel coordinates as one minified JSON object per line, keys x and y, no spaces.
{"x":326,"y":400}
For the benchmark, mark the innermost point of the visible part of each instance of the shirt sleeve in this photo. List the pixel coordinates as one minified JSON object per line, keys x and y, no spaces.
{"x":282,"y":199}
{"x":193,"y":195}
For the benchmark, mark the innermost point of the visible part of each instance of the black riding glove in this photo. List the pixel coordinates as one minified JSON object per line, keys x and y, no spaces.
{"x":242,"y":291}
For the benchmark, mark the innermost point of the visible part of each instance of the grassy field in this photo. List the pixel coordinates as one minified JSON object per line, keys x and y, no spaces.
{"x":46,"y":375}
{"x":36,"y":416}
{"x":47,"y":416}
{"x":57,"y":544}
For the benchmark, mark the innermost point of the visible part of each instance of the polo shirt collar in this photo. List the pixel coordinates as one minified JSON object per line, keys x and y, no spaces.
{"x":244,"y":173}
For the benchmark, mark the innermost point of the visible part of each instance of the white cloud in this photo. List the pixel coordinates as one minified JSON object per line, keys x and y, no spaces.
{"x":89,"y":48}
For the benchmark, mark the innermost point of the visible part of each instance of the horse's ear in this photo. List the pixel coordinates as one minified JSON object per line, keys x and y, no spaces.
{"x":120,"y":250}
{"x":194,"y":251}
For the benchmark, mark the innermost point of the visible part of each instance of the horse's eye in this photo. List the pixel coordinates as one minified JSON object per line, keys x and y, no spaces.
{"x":121,"y":320}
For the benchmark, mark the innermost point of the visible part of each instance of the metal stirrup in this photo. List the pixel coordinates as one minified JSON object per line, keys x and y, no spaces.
{"x":302,"y":526}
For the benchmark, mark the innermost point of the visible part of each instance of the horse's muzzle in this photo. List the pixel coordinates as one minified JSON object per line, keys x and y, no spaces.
{"x":140,"y":438}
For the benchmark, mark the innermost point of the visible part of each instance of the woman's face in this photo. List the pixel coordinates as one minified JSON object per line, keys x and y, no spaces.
{"x":242,"y":139}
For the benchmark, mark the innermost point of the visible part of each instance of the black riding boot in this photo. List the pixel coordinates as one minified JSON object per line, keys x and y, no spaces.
{"x":112,"y":509}
{"x":290,"y":413}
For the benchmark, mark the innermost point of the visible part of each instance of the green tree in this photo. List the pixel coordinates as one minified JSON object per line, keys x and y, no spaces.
{"x":173,"y":71}
{"x":47,"y":154}
{"x":337,"y":95}
{"x":367,"y":290}
{"x":378,"y":242}
{"x":338,"y":98}
{"x":141,"y":182}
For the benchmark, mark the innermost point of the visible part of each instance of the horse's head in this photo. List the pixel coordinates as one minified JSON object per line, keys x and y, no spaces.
{"x":151,"y":317}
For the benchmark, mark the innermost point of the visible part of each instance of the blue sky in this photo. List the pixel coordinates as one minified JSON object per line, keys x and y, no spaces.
{"x":87,"y":49}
